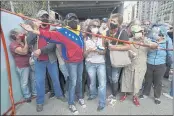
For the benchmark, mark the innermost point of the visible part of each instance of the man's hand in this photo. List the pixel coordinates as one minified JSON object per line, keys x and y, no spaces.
{"x":154,"y":46}
{"x":93,"y":49}
{"x":37,"y":53}
{"x":26,"y":27}
{"x":112,"y":47}
{"x":26,"y":40}
{"x":37,"y":24}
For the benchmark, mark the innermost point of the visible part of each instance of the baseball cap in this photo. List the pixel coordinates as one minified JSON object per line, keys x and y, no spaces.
{"x":41,"y":13}
{"x":70,"y":15}
{"x":136,"y":28}
{"x":105,"y":20}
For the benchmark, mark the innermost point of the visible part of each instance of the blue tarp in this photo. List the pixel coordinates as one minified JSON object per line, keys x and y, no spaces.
{"x":8,"y":22}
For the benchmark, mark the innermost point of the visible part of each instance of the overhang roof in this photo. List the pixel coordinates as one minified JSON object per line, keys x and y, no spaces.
{"x":86,"y":9}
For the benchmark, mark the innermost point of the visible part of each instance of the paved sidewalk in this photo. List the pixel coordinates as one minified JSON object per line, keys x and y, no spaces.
{"x":147,"y":107}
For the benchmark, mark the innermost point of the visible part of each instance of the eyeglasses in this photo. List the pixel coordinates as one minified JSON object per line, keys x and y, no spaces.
{"x":114,"y":21}
{"x":141,"y":31}
{"x":160,"y":35}
{"x":95,"y":26}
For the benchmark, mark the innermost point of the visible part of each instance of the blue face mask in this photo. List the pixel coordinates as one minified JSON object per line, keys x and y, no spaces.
{"x":155,"y":36}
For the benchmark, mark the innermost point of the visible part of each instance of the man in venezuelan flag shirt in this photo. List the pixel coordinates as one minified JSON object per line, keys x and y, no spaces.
{"x":72,"y":44}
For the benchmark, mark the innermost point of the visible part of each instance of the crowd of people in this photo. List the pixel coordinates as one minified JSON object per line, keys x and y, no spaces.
{"x":63,"y":60}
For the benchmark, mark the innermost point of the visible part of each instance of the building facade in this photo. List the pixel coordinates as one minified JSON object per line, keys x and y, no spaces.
{"x":155,"y":11}
{"x":147,"y":11}
{"x":165,"y":12}
{"x":129,"y":13}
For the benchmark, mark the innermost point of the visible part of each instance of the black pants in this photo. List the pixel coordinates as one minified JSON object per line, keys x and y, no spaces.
{"x":115,"y":87}
{"x":85,"y":79}
{"x":154,"y":74}
{"x":166,"y":75}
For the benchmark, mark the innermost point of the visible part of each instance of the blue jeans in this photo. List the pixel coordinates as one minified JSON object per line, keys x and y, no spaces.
{"x":115,"y":75}
{"x":100,"y":70}
{"x":75,"y":71}
{"x":40,"y":69}
{"x":171,"y":90}
{"x":33,"y":81}
{"x":24,"y":81}
{"x":64,"y":71}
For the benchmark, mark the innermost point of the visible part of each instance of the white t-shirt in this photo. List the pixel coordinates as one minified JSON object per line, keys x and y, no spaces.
{"x":94,"y":57}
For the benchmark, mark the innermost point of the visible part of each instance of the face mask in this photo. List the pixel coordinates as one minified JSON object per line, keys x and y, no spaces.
{"x":45,"y":21}
{"x":94,"y":30}
{"x":104,"y":25}
{"x":21,"y":37}
{"x":72,"y":24}
{"x":155,"y":36}
{"x":113,"y":26}
{"x":138,"y":36}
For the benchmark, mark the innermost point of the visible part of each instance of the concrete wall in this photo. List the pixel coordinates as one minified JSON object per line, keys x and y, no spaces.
{"x":8,"y":22}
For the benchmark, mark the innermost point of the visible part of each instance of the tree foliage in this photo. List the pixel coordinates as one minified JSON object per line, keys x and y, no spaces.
{"x":28,"y":8}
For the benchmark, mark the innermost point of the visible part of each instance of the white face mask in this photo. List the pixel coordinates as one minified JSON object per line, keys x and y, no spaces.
{"x":104,"y":25}
{"x":94,"y":30}
{"x":138,"y":36}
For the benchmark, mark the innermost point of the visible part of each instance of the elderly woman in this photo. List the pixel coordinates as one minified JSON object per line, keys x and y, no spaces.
{"x":133,"y":75}
{"x":156,"y":63}
{"x":20,"y":51}
{"x":95,"y":63}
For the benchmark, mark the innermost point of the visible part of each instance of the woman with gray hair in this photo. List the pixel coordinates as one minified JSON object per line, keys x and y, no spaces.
{"x":19,"y":49}
{"x":133,"y":74}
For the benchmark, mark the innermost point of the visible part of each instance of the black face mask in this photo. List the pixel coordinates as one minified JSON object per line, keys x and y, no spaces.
{"x":72,"y":24}
{"x":113,"y":26}
{"x":45,"y":21}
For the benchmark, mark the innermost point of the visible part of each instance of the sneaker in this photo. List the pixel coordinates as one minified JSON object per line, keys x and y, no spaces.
{"x":170,"y":79}
{"x":110,"y":97}
{"x":100,"y":108}
{"x":63,"y":99}
{"x":73,"y":109}
{"x":123,"y":98}
{"x":47,"y":91}
{"x":82,"y":103}
{"x":91,"y":98}
{"x":157,"y":101}
{"x":51,"y":95}
{"x":167,"y":95}
{"x":28,"y":100}
{"x":143,"y":96}
{"x":136,"y":101}
{"x":113,"y":101}
{"x":39,"y":107}
{"x":34,"y":95}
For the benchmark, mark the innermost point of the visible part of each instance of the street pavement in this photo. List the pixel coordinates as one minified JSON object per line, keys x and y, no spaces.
{"x":147,"y":106}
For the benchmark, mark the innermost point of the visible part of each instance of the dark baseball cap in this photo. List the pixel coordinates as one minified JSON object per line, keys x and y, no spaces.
{"x":70,"y":15}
